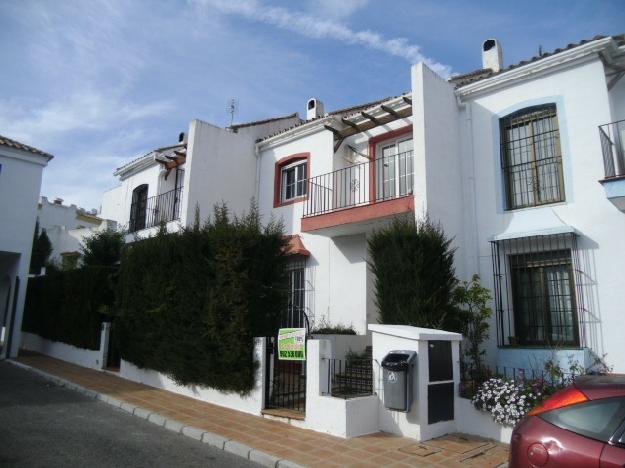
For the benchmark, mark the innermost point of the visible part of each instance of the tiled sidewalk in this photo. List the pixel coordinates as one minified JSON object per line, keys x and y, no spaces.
{"x":301,"y":446}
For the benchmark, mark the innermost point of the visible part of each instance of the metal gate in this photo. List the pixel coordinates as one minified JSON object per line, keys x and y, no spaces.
{"x":285,"y":387}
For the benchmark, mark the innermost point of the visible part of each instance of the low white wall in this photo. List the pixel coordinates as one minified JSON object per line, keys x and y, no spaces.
{"x":324,"y":413}
{"x":62,"y":351}
{"x":251,"y":403}
{"x":343,"y":344}
{"x":480,"y":423}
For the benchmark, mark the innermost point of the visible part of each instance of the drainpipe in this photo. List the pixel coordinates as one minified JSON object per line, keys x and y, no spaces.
{"x":257,"y":183}
{"x":469,"y":126}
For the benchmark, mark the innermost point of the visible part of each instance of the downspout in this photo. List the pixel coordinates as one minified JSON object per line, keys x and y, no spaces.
{"x":257,"y":182}
{"x":469,"y":126}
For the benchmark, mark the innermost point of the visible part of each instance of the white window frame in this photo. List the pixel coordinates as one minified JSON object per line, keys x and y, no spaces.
{"x":299,"y":168}
{"x":398,"y":174}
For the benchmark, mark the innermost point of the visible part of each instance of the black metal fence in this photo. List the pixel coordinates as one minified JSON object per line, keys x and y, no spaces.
{"x":543,"y":379}
{"x":613,"y":146}
{"x":155,"y":210}
{"x":360,"y":184}
{"x":350,"y":378}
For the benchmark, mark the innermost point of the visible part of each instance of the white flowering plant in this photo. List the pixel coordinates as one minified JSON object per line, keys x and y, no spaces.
{"x":507,"y":401}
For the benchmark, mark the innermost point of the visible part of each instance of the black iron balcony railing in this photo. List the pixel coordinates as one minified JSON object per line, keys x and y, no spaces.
{"x":361,"y":184}
{"x":153,"y":211}
{"x":613,"y":147}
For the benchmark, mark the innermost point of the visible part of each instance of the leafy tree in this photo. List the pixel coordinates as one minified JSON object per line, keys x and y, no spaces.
{"x":41,"y":250}
{"x":471,"y":297}
{"x":414,"y":274}
{"x":103,"y":248}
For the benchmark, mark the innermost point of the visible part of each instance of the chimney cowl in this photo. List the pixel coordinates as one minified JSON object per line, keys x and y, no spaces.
{"x":58,"y":201}
{"x":492,"y":55}
{"x":314,"y":109}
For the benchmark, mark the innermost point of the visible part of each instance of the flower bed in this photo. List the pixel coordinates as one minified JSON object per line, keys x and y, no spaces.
{"x":507,"y":402}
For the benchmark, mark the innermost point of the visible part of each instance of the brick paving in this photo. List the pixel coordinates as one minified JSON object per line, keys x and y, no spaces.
{"x":301,"y":446}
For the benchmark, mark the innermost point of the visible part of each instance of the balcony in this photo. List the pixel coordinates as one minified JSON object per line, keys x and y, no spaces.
{"x":355,"y":198}
{"x":150,"y":212}
{"x":613,"y":146}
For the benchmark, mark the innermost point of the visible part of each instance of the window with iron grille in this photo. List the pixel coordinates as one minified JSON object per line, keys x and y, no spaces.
{"x":294,"y":316}
{"x":531,"y":157}
{"x":543,"y":295}
{"x":538,"y":289}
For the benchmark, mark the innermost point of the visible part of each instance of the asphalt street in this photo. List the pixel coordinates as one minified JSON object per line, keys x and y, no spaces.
{"x":44,"y":425}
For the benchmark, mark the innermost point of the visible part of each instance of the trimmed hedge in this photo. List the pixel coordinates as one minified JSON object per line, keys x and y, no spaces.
{"x":190,"y":303}
{"x":67,"y":306}
{"x":413,"y":264}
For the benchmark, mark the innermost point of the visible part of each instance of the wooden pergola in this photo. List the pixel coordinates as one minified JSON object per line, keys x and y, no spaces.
{"x":364,"y":120}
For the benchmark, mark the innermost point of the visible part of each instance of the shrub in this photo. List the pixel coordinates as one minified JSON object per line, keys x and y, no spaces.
{"x":190,"y":303}
{"x":472,"y":298}
{"x":414,"y":274}
{"x":67,"y":306}
{"x":41,"y":250}
{"x":325,"y":328}
{"x":103,"y":248}
{"x":506,"y":401}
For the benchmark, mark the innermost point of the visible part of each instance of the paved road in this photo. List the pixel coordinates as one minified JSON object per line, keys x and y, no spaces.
{"x":44,"y":425}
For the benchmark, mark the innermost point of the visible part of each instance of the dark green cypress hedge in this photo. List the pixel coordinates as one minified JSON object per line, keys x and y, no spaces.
{"x":190,"y":303}
{"x":414,"y":275}
{"x":67,"y":306}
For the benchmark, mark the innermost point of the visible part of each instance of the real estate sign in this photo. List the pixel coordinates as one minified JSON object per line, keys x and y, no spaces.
{"x":292,"y":344}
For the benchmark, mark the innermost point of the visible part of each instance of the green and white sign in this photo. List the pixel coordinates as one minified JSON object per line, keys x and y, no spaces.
{"x":292,"y":344}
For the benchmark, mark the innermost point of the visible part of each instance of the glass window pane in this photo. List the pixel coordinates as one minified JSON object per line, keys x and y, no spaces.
{"x":596,"y":419}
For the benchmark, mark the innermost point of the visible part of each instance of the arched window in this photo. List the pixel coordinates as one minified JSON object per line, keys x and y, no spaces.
{"x":531,"y":157}
{"x":138,"y":208}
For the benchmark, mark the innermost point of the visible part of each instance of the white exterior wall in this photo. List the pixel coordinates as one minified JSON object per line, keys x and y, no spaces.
{"x":438,"y":165}
{"x":581,"y":97}
{"x":117,"y":201}
{"x":20,"y":184}
{"x":338,"y":279}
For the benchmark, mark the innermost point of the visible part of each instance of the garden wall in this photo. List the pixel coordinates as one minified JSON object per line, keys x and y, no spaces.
{"x":342,"y":344}
{"x":79,"y":356}
{"x":471,"y":421}
{"x":337,"y":416}
{"x":251,"y":403}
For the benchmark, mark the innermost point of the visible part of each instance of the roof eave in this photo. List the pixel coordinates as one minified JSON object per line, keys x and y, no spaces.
{"x":533,"y":68}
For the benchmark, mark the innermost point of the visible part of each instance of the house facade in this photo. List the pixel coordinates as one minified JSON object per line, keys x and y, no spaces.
{"x":67,"y":226}
{"x":523,"y":167}
{"x":21,"y":168}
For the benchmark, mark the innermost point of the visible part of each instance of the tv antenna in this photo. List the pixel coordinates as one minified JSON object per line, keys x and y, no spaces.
{"x":233,"y":108}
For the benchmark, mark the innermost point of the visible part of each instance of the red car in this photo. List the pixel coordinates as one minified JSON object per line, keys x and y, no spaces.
{"x":582,"y":425}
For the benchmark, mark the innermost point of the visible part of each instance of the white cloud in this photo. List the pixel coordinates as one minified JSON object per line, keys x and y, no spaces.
{"x":320,"y":28}
{"x":84,"y":110}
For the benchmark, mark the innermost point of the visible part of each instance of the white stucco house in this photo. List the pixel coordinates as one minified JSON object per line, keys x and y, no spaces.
{"x":21,"y":168}
{"x":522,"y":165}
{"x":67,"y":226}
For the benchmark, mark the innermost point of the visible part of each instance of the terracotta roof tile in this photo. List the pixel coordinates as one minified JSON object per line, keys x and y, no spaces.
{"x":260,"y":122}
{"x":21,"y":146}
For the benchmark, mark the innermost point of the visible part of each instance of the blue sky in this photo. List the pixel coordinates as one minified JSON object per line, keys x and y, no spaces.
{"x":99,"y":82}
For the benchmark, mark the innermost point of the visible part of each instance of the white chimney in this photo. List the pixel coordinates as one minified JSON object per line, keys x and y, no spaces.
{"x":314,"y":109}
{"x":492,"y":55}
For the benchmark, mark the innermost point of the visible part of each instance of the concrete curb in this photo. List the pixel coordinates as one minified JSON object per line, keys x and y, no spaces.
{"x":214,"y":440}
